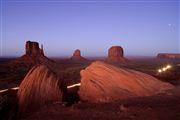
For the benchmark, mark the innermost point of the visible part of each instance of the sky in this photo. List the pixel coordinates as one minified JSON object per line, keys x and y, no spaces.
{"x":141,"y":27}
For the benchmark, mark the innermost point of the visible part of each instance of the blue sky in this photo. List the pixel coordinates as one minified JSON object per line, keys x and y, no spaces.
{"x":141,"y":27}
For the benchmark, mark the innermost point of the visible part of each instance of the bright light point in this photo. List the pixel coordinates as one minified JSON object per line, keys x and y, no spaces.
{"x":159,"y":70}
{"x":168,"y":66}
{"x":164,"y":69}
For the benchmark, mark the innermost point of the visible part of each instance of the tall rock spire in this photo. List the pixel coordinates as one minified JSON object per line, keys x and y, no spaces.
{"x":42,"y":50}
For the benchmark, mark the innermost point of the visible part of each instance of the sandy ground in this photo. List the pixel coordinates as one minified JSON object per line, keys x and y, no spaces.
{"x":160,"y":107}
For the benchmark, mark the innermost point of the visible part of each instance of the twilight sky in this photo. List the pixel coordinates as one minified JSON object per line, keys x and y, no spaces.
{"x":141,"y":27}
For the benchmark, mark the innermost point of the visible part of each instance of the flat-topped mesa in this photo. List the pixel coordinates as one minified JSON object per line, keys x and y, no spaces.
{"x":168,"y":56}
{"x":77,"y":55}
{"x":32,"y":48}
{"x":33,"y":56}
{"x":116,"y":54}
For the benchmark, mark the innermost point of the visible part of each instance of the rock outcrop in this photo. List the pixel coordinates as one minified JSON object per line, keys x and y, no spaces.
{"x":116,"y":54}
{"x":40,"y":86}
{"x":101,"y":82}
{"x":77,"y":56}
{"x":168,"y":56}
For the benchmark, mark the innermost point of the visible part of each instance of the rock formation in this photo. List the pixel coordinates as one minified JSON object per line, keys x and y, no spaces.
{"x":77,"y":56}
{"x":33,"y":55}
{"x":40,"y":86}
{"x":168,"y":56}
{"x":101,"y":82}
{"x":116,"y":54}
{"x":32,"y":48}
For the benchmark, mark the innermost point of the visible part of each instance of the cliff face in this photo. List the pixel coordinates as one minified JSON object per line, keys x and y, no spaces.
{"x":101,"y":82}
{"x":168,"y":56}
{"x":116,"y":54}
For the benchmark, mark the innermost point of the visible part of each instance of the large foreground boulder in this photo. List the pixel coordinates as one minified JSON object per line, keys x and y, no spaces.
{"x":40,"y":86}
{"x":116,"y":54}
{"x":101,"y":82}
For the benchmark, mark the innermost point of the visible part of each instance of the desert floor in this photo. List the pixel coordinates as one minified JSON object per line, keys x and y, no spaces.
{"x":159,"y":107}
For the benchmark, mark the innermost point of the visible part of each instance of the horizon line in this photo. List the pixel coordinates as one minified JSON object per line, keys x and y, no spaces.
{"x":91,"y":1}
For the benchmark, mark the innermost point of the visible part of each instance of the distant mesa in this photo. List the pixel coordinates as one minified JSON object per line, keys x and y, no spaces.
{"x":168,"y":56}
{"x":33,"y":55}
{"x":77,"y":56}
{"x":116,"y":54}
{"x":40,"y":86}
{"x":102,"y":82}
{"x":32,"y":48}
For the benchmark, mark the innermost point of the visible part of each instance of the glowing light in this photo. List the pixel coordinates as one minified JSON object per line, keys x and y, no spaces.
{"x":15,"y":88}
{"x":159,"y":70}
{"x":1,"y":91}
{"x":168,"y":66}
{"x":164,"y":68}
{"x":74,"y":85}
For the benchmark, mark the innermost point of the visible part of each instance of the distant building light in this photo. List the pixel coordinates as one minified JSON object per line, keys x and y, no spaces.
{"x":164,"y":69}
{"x":159,"y":70}
{"x":168,"y":66}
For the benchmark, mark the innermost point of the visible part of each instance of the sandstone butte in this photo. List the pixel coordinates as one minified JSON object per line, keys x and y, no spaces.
{"x":116,"y":54}
{"x":77,"y":56}
{"x":33,"y":55}
{"x":102,"y":82}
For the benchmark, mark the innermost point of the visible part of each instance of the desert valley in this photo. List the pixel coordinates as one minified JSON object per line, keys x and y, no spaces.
{"x":89,"y":60}
{"x":35,"y":87}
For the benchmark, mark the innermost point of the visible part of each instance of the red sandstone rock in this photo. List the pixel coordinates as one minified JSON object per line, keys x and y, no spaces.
{"x":168,"y":56}
{"x":33,"y":56}
{"x":116,"y":54}
{"x":40,"y":86}
{"x":101,"y":82}
{"x":77,"y":56}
